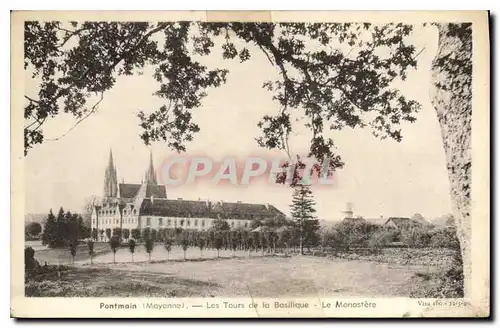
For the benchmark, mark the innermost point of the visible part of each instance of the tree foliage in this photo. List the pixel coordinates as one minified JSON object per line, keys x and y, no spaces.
{"x":33,"y":229}
{"x":64,"y":229}
{"x":334,"y":75}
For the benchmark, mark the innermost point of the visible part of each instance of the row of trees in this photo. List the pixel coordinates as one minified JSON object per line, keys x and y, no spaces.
{"x":65,"y":229}
{"x":265,"y":239}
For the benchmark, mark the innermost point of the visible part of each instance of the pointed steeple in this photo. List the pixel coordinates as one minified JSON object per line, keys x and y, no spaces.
{"x":110,"y":163}
{"x":110,"y":178}
{"x":150,"y":176}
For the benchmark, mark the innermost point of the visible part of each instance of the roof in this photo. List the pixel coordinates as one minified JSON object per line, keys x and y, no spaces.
{"x":244,"y":209}
{"x":193,"y":208}
{"x":403,"y":222}
{"x":353,"y":220}
{"x":130,"y":190}
{"x":379,"y":221}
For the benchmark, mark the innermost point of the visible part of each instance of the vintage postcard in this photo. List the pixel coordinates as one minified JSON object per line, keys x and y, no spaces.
{"x":250,"y":164}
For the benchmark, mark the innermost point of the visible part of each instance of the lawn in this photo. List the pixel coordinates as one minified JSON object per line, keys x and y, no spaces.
{"x":57,"y":256}
{"x":232,"y":277}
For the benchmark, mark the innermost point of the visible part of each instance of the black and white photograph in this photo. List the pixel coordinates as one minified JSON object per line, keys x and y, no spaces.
{"x":274,"y":164}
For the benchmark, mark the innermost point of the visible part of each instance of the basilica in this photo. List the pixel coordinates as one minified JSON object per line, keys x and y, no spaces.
{"x":146,"y":205}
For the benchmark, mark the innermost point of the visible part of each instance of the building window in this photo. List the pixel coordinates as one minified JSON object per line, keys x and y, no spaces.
{"x":182,"y":223}
{"x":232,"y":224}
{"x":148,"y":221}
{"x":246,"y":224}
{"x":169,"y":222}
{"x":160,"y":221}
{"x":195,"y":223}
{"x":203,"y":223}
{"x":188,"y":223}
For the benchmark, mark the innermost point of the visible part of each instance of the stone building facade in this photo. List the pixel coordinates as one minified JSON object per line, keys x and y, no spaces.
{"x":145,"y":205}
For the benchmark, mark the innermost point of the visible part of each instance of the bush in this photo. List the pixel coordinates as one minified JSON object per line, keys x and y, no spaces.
{"x":126,"y":233}
{"x":114,"y":243}
{"x":381,"y":239}
{"x":447,"y":284}
{"x":131,"y":247}
{"x":136,"y":234}
{"x":149,"y":247}
{"x":416,"y":237}
{"x":445,"y":238}
{"x":29,"y":258}
{"x":146,"y":233}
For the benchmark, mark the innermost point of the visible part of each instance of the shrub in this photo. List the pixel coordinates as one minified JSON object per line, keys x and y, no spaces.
{"x":168,"y":246}
{"x":380,"y":239}
{"x":445,"y":238}
{"x":447,"y":284}
{"x":29,"y":258}
{"x":108,"y":233}
{"x":126,"y":233}
{"x":114,"y":243}
{"x":131,"y":247}
{"x":90,"y":245}
{"x":117,"y":232}
{"x":146,"y":234}
{"x":72,"y":248}
{"x":94,"y":233}
{"x":149,"y":247}
{"x":136,"y":234}
{"x":415,"y":237}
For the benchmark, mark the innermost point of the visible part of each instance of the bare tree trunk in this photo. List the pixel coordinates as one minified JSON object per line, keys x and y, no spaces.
{"x":301,"y":245}
{"x":452,"y":99}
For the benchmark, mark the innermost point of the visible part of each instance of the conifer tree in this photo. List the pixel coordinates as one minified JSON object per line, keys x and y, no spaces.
{"x":49,"y":230}
{"x":302,"y":209}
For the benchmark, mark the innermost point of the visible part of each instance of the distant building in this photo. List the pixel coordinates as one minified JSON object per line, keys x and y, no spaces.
{"x":348,"y":212}
{"x":379,"y":222}
{"x":353,"y":220}
{"x":145,"y":205}
{"x":401,"y":223}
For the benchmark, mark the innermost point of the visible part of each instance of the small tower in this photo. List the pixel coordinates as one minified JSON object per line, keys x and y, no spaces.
{"x":110,"y":178}
{"x":348,"y":212}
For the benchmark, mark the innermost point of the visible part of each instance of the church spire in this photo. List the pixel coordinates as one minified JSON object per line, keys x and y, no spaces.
{"x":110,"y":178}
{"x":150,"y":176}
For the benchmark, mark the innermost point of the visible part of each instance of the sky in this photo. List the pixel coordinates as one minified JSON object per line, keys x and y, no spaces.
{"x":379,"y":178}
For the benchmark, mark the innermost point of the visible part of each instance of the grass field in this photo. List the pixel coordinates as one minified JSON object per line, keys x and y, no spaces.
{"x":62,"y":255}
{"x":230,"y":277}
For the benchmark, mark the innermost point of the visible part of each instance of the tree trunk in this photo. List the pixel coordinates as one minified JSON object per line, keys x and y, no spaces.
{"x":451,"y":96}
{"x":301,"y":245}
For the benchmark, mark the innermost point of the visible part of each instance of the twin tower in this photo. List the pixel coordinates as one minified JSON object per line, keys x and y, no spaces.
{"x":111,"y":180}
